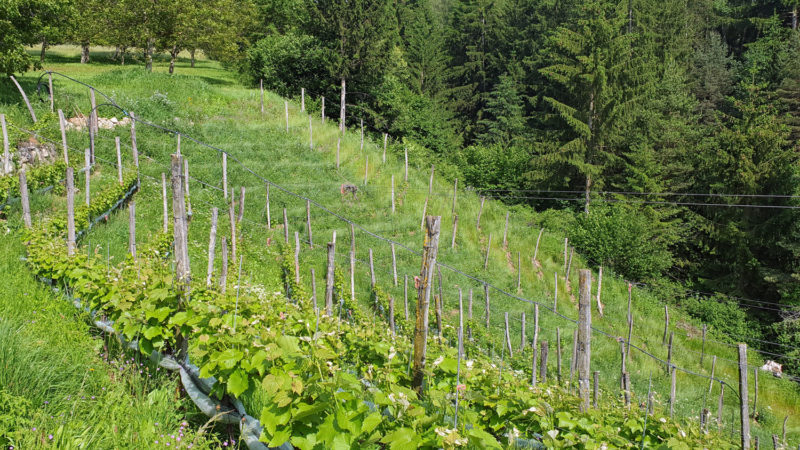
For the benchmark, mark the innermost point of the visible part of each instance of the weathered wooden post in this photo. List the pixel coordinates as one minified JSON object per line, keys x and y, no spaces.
{"x":599,"y":288}
{"x":755,"y":392}
{"x":703,"y":348}
{"x":261,"y":88}
{"x":27,"y":102}
{"x":672,"y":386}
{"x":87,"y":176}
{"x":297,"y":257}
{"x":212,"y":242}
{"x":302,"y":99}
{"x":666,"y":324}
{"x":182,"y":269}
{"x":508,"y":338}
{"x":352,"y":262}
{"x":92,"y":123}
{"x":405,"y":178}
{"x":394,"y":264}
{"x":366,"y":169}
{"x":329,"y":279}
{"x":455,"y":231}
{"x":536,"y":249}
{"x":286,"y":114}
{"x":488,"y":249}
{"x":480,"y":211}
{"x":555,"y":291}
{"x":424,"y":214}
{"x":362,"y":135}
{"x":543,"y":362}
{"x":6,"y":168}
{"x":240,"y":216}
{"x":626,"y":383}
{"x":719,"y":409}
{"x":573,"y":363}
{"x":322,"y":110}
{"x":134,"y":148}
{"x":132,"y":228}
{"x":371,"y":270}
{"x":62,"y":124}
{"x":391,"y":315}
{"x":23,"y":195}
{"x":186,"y":187}
{"x":164,"y":209}
{"x":232,"y":220}
{"x":70,"y":182}
{"x":744,"y":414}
{"x":669,"y":349}
{"x":558,"y":354}
{"x":595,"y":388}
{"x":119,"y":160}
{"x":535,"y":342}
{"x":285,"y":227}
{"x":431,"y":247}
{"x":269,"y":216}
{"x":223,"y":272}
{"x":522,"y":334}
{"x":505,"y":232}
{"x":628,"y":342}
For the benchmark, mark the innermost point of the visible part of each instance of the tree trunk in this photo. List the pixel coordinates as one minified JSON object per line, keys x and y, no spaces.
{"x":172,"y":55}
{"x":44,"y":48}
{"x":148,"y":55}
{"x":116,"y":53}
{"x":794,"y":18}
{"x":342,"y":108}
{"x":84,"y":52}
{"x":191,"y":52}
{"x":122,"y":55}
{"x":588,"y":189}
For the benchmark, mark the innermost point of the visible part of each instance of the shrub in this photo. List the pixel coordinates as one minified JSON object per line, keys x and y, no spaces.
{"x":723,"y":314}
{"x":286,"y":62}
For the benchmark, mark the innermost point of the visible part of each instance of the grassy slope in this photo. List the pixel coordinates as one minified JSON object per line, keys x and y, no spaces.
{"x":208,"y":103}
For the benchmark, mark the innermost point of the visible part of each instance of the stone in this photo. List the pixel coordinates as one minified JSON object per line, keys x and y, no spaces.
{"x":33,"y":153}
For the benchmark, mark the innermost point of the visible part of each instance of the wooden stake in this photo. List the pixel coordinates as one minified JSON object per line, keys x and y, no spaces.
{"x":785,"y":419}
{"x":543,"y":363}
{"x":134,"y":149}
{"x":302,"y":99}
{"x":437,"y":306}
{"x":165,"y":210}
{"x":488,"y":249}
{"x":269,"y":216}
{"x":486,"y":308}
{"x":119,"y":160}
{"x":405,"y":151}
{"x":186,"y":187}
{"x":329,"y":279}
{"x":711,"y":380}
{"x":362,"y":135}
{"x":28,"y":103}
{"x":70,"y":182}
{"x":23,"y":194}
{"x":308,"y":224}
{"x":424,"y":213}
{"x":455,"y":196}
{"x":225,"y":176}
{"x":132,"y":228}
{"x":599,"y":288}
{"x":212,"y":242}
{"x":628,"y":342}
{"x":182,"y":269}
{"x":87,"y":177}
{"x":178,"y":145}
{"x":394,"y":265}
{"x":535,"y":343}
{"x":62,"y":124}
{"x":371,"y":270}
{"x":232,"y":219}
{"x":536,"y":250}
{"x":666,"y":324}
{"x":522,"y":334}
{"x":285,"y":227}
{"x":92,"y":122}
{"x":480,"y":211}
{"x":630,"y":299}
{"x":352,"y":262}
{"x":430,"y":183}
{"x":569,"y":265}
{"x":297,"y":257}
{"x":431,"y":247}
{"x":391,"y":315}
{"x":595,"y":388}
{"x":719,"y":409}
{"x":469,"y":314}
{"x":555,"y":292}
{"x":392,"y":194}
{"x":566,"y":247}
{"x":743,"y":402}
{"x":626,"y":382}
{"x":623,"y":368}
{"x":223,"y":275}
{"x":508,"y":338}
{"x":322,"y":109}
{"x":505,"y":232}
{"x":669,"y":349}
{"x":455,"y":231}
{"x":755,"y":392}
{"x":573,"y":363}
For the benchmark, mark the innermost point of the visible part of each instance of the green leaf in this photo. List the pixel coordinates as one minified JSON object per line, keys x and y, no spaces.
{"x":370,"y":422}
{"x":238,"y":382}
{"x":152,"y":332}
{"x":280,"y":436}
{"x":400,"y":438}
{"x":229,"y":358}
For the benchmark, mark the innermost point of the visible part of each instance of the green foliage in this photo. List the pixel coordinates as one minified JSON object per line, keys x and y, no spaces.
{"x":26,"y":22}
{"x":39,"y":177}
{"x":285,"y":61}
{"x":724,"y":315}
{"x":15,"y":413}
{"x":624,"y":237}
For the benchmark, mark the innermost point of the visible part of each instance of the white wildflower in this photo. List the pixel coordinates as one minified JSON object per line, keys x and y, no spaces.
{"x":470,"y":363}
{"x":438,"y":361}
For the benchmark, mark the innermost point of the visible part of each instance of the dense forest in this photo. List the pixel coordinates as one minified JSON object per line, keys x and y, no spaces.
{"x":660,"y":135}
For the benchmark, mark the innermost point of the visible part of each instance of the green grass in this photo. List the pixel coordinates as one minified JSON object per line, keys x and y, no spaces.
{"x":208,"y":103}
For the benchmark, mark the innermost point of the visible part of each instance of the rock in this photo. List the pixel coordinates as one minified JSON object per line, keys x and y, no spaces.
{"x":80,"y":122}
{"x":33,"y":153}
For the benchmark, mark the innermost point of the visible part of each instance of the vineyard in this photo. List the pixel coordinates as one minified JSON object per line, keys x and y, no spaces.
{"x":238,"y":239}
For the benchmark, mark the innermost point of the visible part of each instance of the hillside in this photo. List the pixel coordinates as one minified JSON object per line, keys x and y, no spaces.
{"x":209,"y":104}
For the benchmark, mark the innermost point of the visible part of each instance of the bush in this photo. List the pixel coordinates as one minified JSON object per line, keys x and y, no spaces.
{"x":630,"y":239}
{"x":287,"y":62}
{"x":723,"y":314}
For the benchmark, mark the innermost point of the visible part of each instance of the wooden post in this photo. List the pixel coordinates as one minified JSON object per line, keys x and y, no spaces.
{"x":486,"y":309}
{"x":569,"y":265}
{"x":182,"y":269}
{"x":508,"y":338}
{"x":558,"y":353}
{"x":672,"y":386}
{"x":212,"y":242}
{"x":480,"y":211}
{"x":223,"y":274}
{"x":240,"y":216}
{"x":405,"y":296}
{"x":522,"y":334}
{"x":132,"y":228}
{"x":329,"y":279}
{"x":437,"y":307}
{"x":566,"y":247}
{"x":536,"y":250}
{"x":424,"y":213}
{"x":338,"y":145}
{"x":595,"y":388}
{"x":285,"y":227}
{"x":23,"y":195}
{"x":269,"y":216}
{"x":119,"y":160}
{"x":134,"y":149}
{"x":783,"y":438}
{"x":6,"y":169}
{"x":62,"y":124}
{"x":392,"y":194}
{"x":225,"y":176}
{"x":775,"y":442}
{"x":164,"y":209}
{"x":623,"y":368}
{"x":186,"y":187}
{"x":711,"y":380}
{"x":297,"y":257}
{"x":322,"y":109}
{"x":703,"y":348}
{"x":178,"y":145}
{"x":391,"y":314}
{"x":488,"y":249}
{"x":535,"y":343}
{"x":385,"y":139}
{"x":630,"y":299}
{"x":50,"y":85}
{"x":28,"y":103}
{"x":626,"y":382}
{"x":505,"y":232}
{"x":362,"y":135}
{"x":261,"y":88}
{"x":755,"y":392}
{"x":87,"y":176}
{"x":744,"y":414}
{"x":232,"y":219}
{"x":302,"y":99}
{"x":430,"y":183}
{"x":599,"y":288}
{"x":543,"y":363}
{"x":669,"y":349}
{"x":92,"y":122}
{"x":469,"y":314}
{"x":371,"y":270}
{"x":666,"y":324}
{"x":628,"y":342}
{"x":455,"y":231}
{"x":405,"y":152}
{"x":70,"y":182}
{"x":308,"y":223}
{"x":455,"y":196}
{"x":286,"y":114}
{"x":394,"y":264}
{"x":431,"y":247}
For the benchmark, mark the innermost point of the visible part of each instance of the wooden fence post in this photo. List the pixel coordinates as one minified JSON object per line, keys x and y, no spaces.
{"x":569,"y":265}
{"x":322,"y":109}
{"x":522,"y":334}
{"x":261,"y":88}
{"x":182,"y":269}
{"x":555,"y":292}
{"x":488,"y":249}
{"x":744,"y":406}
{"x":134,"y":148}
{"x":329,"y":279}
{"x":711,"y":380}
{"x":394,"y":264}
{"x":6,"y":169}
{"x":225,"y":176}
{"x":223,"y":271}
{"x":719,"y":408}
{"x":486,"y":297}
{"x":599,"y":288}
{"x":626,"y":382}
{"x":573,"y":363}
{"x":505,"y":232}
{"x":371,"y":270}
{"x":25,"y":97}
{"x":62,"y":124}
{"x":87,"y":176}
{"x":119,"y":160}
{"x":297,"y":257}
{"x":566,"y":247}
{"x":431,"y":247}
{"x":269,"y":216}
{"x":623,"y":368}
{"x":630,"y":300}
{"x":285,"y":227}
{"x":164,"y":209}
{"x":92,"y":123}
{"x":480,"y":211}
{"x":186,"y":187}
{"x":70,"y":182}
{"x":455,"y":196}
{"x":469,"y":314}
{"x":366,"y":169}
{"x":23,"y":195}
{"x":424,"y":213}
{"x":535,"y":342}
{"x":178,"y":145}
{"x":455,"y":231}
{"x":232,"y":220}
{"x":536,"y":250}
{"x":240,"y":216}
{"x":628,"y":342}
{"x":302,"y":99}
{"x":595,"y":388}
{"x":666,"y":324}
{"x":672,"y":386}
{"x":543,"y":362}
{"x":391,"y":315}
{"x":132,"y":228}
{"x":308,"y":224}
{"x":508,"y":338}
{"x":212,"y":242}
{"x":669,"y":349}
